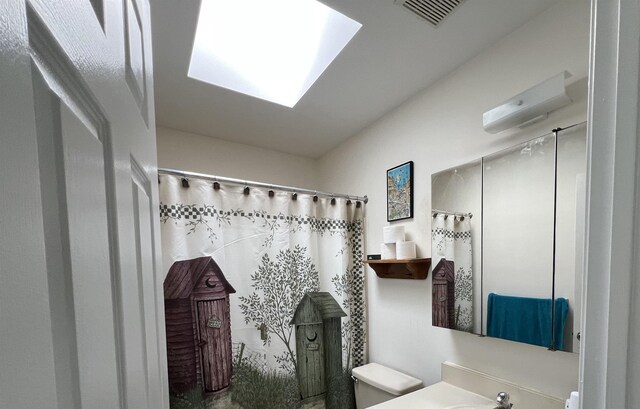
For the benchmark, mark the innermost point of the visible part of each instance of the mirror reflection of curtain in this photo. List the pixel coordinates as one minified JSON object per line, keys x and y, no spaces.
{"x":270,"y":252}
{"x":451,"y":241}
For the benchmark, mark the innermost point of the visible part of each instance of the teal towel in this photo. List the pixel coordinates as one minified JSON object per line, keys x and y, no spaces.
{"x":526,"y":319}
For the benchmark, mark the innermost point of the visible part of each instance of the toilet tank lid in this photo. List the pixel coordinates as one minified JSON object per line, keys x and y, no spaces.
{"x":387,"y":379}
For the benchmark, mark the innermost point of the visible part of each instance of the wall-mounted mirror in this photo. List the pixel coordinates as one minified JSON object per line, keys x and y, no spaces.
{"x":507,"y":239}
{"x":570,"y":228}
{"x":455,"y":249}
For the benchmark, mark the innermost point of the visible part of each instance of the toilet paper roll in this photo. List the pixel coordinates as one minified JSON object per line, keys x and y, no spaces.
{"x":392,"y":234}
{"x":405,"y":249}
{"x":388,"y":251}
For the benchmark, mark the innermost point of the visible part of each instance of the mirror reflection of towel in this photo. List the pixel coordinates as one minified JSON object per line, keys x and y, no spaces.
{"x":526,"y":319}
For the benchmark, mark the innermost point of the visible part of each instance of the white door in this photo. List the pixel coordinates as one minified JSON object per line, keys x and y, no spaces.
{"x":81,"y":304}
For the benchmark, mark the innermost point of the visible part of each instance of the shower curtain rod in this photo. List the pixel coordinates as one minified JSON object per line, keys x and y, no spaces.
{"x":291,"y":189}
{"x":436,"y":212}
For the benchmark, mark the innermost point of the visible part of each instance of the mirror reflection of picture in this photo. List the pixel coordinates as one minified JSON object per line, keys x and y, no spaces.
{"x":525,"y":259}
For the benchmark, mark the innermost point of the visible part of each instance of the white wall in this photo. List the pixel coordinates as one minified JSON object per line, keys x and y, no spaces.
{"x":440,"y":128}
{"x":203,"y":154}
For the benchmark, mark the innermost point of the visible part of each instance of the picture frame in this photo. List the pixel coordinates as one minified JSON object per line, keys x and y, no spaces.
{"x":400,"y":192}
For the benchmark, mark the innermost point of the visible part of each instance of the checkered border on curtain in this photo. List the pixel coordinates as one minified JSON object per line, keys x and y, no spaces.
{"x":358,"y":302}
{"x":452,"y":235}
{"x":194,"y":212}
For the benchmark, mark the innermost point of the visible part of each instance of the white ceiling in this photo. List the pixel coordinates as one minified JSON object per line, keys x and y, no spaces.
{"x":392,"y":57}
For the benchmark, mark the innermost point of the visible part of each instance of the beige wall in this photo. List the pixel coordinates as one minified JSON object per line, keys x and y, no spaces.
{"x":439,"y":128}
{"x":203,"y":154}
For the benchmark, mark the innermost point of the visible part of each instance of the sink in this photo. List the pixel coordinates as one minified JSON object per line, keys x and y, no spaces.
{"x":440,"y":395}
{"x":470,"y":407}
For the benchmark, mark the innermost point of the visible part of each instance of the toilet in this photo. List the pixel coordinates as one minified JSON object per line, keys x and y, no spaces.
{"x":375,"y":383}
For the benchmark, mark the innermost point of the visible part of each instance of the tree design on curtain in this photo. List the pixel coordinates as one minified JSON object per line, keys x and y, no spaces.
{"x":464,"y":291}
{"x":280,"y":285}
{"x":344,"y":284}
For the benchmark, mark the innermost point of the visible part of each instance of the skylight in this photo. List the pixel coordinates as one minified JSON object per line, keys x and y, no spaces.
{"x":270,"y":49}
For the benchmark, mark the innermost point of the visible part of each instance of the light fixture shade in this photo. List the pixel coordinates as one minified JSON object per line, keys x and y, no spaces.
{"x":528,"y":106}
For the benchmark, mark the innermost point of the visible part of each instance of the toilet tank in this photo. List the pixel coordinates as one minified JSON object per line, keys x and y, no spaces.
{"x":375,"y":383}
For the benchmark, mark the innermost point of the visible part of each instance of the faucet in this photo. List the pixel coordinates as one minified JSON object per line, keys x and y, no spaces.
{"x":503,"y":401}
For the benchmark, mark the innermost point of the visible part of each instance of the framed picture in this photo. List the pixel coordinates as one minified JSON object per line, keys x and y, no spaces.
{"x":400,"y":192}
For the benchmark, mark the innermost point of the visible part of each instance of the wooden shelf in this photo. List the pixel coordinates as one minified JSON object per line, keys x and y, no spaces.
{"x":413,"y":269}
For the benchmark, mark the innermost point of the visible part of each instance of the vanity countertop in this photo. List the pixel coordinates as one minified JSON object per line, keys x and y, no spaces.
{"x":437,"y":396}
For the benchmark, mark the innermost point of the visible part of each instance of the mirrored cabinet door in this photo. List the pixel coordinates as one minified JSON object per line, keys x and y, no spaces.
{"x":456,"y":248}
{"x":518,"y":202}
{"x":570,"y":229}
{"x":514,"y":270}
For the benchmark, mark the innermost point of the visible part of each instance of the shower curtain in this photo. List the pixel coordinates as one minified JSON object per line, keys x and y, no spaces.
{"x":272,"y":284}
{"x":451,"y":240}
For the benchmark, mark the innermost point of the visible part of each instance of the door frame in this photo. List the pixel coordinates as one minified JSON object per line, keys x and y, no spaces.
{"x":610,"y":348}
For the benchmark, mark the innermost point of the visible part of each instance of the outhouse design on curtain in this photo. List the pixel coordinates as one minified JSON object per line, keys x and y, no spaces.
{"x":257,"y":286}
{"x":452,"y":275}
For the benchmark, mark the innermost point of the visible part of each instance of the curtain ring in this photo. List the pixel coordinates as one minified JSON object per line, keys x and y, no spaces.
{"x":216,"y":185}
{"x":185,"y":182}
{"x":358,"y":204}
{"x":333,"y":201}
{"x":294,"y":196}
{"x":246,"y":190}
{"x":315,"y":197}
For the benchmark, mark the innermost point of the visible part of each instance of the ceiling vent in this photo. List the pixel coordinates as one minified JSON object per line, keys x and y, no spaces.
{"x":434,"y":11}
